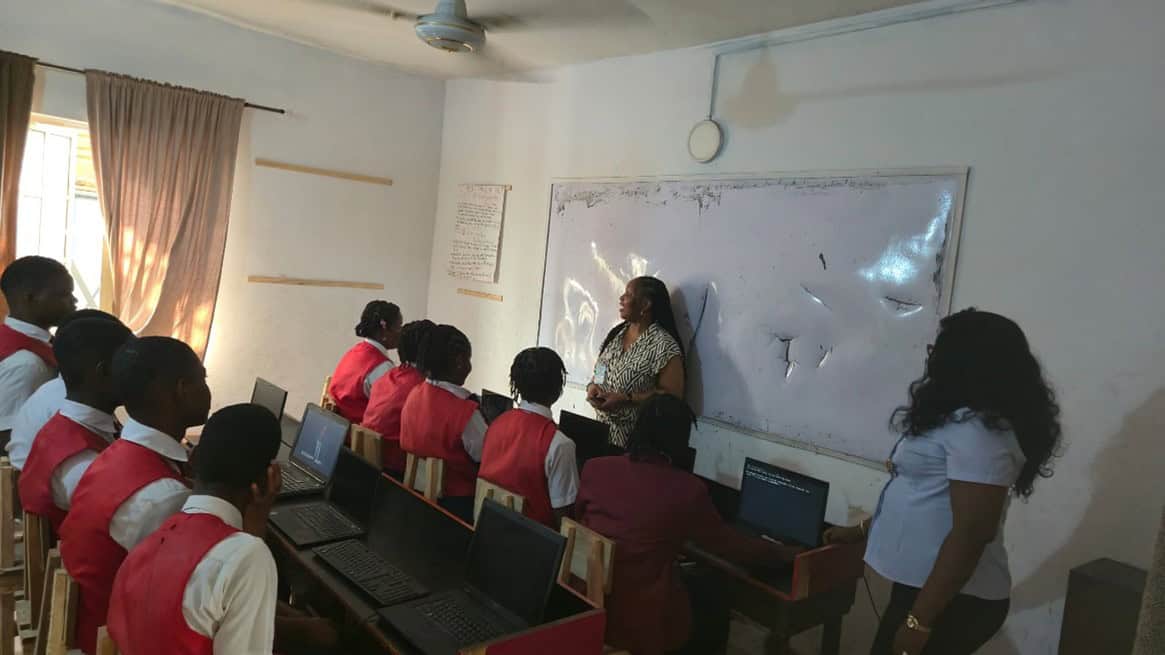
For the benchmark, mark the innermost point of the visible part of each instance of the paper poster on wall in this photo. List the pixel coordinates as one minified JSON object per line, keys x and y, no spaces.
{"x":477,"y":232}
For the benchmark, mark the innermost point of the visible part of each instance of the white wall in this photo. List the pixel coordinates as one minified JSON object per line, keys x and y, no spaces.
{"x":1057,"y":107}
{"x":342,"y":114}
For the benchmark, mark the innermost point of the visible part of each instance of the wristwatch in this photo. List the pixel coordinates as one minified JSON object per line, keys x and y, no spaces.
{"x":913,"y":623}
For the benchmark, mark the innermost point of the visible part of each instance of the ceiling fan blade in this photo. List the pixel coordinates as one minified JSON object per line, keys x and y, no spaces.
{"x":372,"y":7}
{"x":588,"y":13}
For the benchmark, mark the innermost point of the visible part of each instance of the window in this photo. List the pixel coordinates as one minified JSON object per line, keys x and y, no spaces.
{"x":59,"y":215}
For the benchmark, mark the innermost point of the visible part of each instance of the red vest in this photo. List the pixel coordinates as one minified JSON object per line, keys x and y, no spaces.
{"x":347,"y":386}
{"x":58,"y":440}
{"x":12,"y":341}
{"x":514,"y":457}
{"x":431,"y":424}
{"x":145,"y":609}
{"x":89,"y":554}
{"x":389,"y":394}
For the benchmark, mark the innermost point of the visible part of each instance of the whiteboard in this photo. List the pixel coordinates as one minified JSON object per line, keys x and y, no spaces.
{"x":806,"y":301}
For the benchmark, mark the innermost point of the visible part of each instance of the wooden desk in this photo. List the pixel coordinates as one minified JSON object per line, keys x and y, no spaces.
{"x":430,"y":544}
{"x":819,"y":589}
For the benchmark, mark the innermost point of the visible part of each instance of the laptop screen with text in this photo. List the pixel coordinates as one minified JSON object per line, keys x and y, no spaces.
{"x":782,"y":504}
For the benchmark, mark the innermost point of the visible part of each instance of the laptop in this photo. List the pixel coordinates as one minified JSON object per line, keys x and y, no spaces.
{"x":590,"y":437}
{"x":780,"y":504}
{"x":370,"y":573}
{"x":494,"y":404}
{"x":313,"y":456}
{"x":269,"y":396}
{"x":511,"y":569}
{"x":342,"y":514}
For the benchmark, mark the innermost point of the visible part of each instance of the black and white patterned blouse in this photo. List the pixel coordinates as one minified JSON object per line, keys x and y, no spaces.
{"x":633,"y":371}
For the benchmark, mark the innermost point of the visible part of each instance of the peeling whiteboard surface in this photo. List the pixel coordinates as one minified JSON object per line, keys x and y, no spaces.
{"x":806,"y":302}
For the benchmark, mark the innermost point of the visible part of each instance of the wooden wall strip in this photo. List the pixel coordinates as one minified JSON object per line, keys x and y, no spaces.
{"x":480,"y":294}
{"x":311,"y":170}
{"x":304,"y":282}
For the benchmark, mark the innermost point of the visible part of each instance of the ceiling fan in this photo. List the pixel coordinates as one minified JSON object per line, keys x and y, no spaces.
{"x":450,"y":28}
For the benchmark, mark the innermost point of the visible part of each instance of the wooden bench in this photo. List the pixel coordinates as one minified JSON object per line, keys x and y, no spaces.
{"x":498,"y":494}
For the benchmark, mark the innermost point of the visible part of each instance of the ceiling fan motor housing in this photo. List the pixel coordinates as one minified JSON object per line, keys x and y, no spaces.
{"x":450,"y":29}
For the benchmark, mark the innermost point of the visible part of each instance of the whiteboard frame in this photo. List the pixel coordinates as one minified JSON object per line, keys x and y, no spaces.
{"x":949,"y":273}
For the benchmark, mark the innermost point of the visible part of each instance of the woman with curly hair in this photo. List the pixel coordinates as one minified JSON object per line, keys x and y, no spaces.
{"x":981,"y":425}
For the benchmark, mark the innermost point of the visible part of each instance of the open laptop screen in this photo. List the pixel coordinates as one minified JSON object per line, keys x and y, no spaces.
{"x":782,"y":504}
{"x":321,"y":435}
{"x":353,"y":485}
{"x":590,"y":437}
{"x":514,"y":561}
{"x":494,"y":404}
{"x":269,"y":396}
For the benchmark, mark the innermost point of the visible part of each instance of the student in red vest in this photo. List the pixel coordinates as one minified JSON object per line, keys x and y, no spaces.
{"x":389,"y":394}
{"x":137,"y":482}
{"x":44,"y":403}
{"x":524,"y":451}
{"x":205,"y":582}
{"x":367,"y":361}
{"x":651,"y":509}
{"x":67,"y":445}
{"x":441,"y":418}
{"x":39,"y":292}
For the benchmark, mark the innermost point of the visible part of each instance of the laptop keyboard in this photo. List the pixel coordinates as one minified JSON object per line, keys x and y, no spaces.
{"x":384,"y":582}
{"x":296,"y":480}
{"x":325,"y":521}
{"x":454,"y":618}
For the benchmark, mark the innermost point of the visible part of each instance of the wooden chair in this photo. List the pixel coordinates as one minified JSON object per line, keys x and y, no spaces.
{"x":326,"y":400}
{"x":366,"y":443}
{"x":52,"y":565}
{"x":434,"y":475}
{"x":37,"y":537}
{"x":11,"y":575}
{"x":487,"y":489}
{"x":105,"y":645}
{"x":62,"y":617}
{"x":588,"y":557}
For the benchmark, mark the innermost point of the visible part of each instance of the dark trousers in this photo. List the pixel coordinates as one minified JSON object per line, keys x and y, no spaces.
{"x":709,"y":612}
{"x":965,"y":625}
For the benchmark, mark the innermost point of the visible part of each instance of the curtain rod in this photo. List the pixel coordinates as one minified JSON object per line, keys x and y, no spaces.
{"x":68,"y":69}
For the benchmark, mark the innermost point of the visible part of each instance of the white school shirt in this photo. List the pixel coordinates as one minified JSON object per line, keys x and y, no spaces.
{"x":230,"y":596}
{"x":150,"y":506}
{"x":22,"y":372}
{"x":33,"y":414}
{"x":914,"y":515}
{"x":380,"y":370}
{"x":561,"y":466}
{"x":473,"y":436}
{"x":68,"y":473}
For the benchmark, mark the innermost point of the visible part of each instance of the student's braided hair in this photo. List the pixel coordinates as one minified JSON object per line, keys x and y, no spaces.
{"x":411,"y":336}
{"x":538,"y":375}
{"x":378,"y":316}
{"x":440,"y":347}
{"x":663,"y":428}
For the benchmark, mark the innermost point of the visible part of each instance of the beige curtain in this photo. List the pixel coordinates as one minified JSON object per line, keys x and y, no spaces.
{"x":165,"y":160}
{"x":16,"y":77}
{"x":1151,"y":630}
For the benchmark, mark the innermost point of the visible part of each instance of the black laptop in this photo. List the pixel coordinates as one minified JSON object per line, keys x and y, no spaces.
{"x":269,"y":396}
{"x":780,"y":504}
{"x":344,"y":512}
{"x":590,"y":437}
{"x":494,"y":404}
{"x":313,"y":456}
{"x":512,"y":567}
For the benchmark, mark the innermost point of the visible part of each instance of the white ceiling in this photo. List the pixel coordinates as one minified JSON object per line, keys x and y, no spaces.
{"x":542,"y":33}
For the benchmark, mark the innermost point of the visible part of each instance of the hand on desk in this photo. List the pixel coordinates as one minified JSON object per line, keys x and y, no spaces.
{"x":844,"y":535}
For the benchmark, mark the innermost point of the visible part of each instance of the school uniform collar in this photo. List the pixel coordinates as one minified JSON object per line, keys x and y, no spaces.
{"x":89,"y":417}
{"x":536,"y":408}
{"x":215,"y":506}
{"x":459,"y":391}
{"x":28,"y":329}
{"x":156,"y":440}
{"x":377,"y":345}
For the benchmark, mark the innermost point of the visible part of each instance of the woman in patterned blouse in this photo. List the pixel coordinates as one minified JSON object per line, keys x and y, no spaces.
{"x":640,"y":357}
